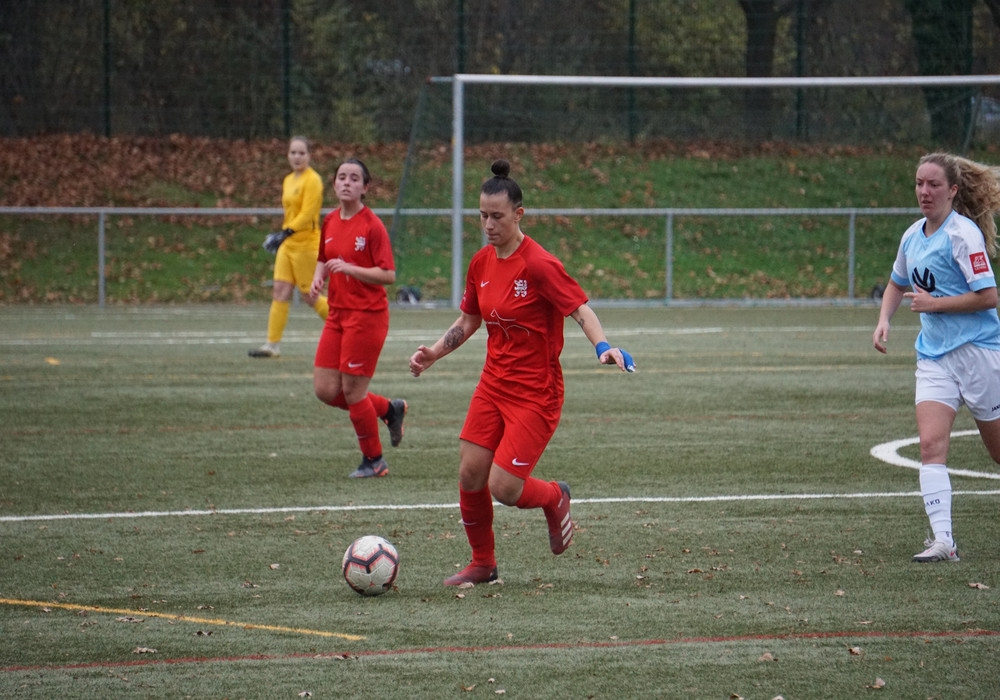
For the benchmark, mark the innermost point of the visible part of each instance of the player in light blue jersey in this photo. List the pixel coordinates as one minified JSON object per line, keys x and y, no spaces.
{"x":944,"y":258}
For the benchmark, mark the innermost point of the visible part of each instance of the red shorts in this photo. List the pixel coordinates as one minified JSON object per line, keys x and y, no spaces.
{"x":516,"y":433}
{"x":352,"y":341}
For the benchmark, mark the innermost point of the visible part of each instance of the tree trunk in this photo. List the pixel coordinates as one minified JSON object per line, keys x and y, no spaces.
{"x":942,"y":34}
{"x":762,"y":17}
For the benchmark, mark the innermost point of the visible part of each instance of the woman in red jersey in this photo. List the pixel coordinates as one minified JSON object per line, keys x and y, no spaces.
{"x":356,"y":255}
{"x":523,"y":294}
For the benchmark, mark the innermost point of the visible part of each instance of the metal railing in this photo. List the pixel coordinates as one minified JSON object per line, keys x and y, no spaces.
{"x":669,"y":216}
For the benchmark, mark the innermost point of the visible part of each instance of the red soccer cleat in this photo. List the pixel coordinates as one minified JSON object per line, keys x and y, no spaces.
{"x":560,"y":524}
{"x":473,"y":574}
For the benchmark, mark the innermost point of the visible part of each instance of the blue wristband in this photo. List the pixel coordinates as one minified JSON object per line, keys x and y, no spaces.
{"x":628,"y":361}
{"x":602,"y":347}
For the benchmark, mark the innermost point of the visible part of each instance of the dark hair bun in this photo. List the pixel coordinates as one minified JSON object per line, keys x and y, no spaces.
{"x":500,"y":168}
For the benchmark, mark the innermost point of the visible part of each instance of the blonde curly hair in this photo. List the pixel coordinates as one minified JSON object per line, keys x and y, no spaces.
{"x":978,"y":195}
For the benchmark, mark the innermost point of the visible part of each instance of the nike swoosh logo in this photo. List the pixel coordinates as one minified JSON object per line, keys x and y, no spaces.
{"x":483,"y":284}
{"x":352,"y":365}
{"x":516,"y":463}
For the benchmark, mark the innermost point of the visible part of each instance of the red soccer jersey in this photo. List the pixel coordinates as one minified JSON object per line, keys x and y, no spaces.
{"x":524,"y":300}
{"x":361,"y":240}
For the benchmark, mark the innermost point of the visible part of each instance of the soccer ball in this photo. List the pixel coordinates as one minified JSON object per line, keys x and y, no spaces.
{"x":370,"y":565}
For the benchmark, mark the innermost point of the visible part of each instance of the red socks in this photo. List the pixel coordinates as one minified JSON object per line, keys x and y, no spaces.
{"x":477,"y":517}
{"x":379,"y":403}
{"x":365,"y":421}
{"x":477,"y":514}
{"x":539,"y":494}
{"x":365,"y":416}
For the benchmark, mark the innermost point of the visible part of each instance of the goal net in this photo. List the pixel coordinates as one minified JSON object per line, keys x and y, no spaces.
{"x":631,"y":181}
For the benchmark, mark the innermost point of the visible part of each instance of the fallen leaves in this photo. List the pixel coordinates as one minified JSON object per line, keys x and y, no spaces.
{"x":468,"y":688}
{"x":130,"y":170}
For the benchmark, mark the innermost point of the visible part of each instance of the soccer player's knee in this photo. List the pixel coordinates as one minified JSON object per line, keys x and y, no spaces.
{"x":505,"y":493}
{"x":505,"y":499}
{"x":326,"y":393}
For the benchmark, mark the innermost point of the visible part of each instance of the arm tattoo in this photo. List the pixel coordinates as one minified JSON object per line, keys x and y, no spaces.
{"x":454,"y":337}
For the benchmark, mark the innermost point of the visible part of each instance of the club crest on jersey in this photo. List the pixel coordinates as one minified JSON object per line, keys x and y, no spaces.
{"x":359,"y":243}
{"x":520,"y":288}
{"x":979,"y":263}
{"x":925,"y":282}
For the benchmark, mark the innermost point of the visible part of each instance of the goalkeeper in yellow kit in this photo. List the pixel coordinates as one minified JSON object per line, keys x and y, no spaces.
{"x":295,"y":246}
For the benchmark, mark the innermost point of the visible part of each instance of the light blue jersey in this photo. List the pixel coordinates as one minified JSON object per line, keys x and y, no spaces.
{"x":949,"y":262}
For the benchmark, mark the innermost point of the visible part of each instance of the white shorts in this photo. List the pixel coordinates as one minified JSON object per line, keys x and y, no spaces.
{"x":968,"y":375}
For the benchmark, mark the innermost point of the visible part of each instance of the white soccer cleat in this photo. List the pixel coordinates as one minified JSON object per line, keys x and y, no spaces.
{"x":937,"y":551}
{"x":266,"y":350}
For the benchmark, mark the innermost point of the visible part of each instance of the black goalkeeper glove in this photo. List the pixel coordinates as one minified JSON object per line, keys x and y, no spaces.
{"x":274,"y":240}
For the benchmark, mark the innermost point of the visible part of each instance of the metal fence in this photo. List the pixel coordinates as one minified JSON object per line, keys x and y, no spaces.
{"x":669,"y":217}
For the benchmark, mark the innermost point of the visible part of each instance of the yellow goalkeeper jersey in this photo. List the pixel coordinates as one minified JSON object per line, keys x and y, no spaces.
{"x":302,"y":199}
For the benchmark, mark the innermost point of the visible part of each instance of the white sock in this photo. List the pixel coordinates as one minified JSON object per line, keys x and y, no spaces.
{"x":935,"y":486}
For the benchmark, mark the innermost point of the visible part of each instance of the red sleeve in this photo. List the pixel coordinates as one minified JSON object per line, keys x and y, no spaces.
{"x":324,"y":231}
{"x":563,"y":292}
{"x":381,"y":246}
{"x":470,"y":299}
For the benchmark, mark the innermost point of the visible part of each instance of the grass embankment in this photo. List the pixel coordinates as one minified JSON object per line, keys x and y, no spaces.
{"x":179,"y":259}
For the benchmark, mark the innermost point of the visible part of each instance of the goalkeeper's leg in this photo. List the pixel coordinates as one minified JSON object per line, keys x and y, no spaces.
{"x":304,"y":266}
{"x":322,"y":307}
{"x":277,"y":318}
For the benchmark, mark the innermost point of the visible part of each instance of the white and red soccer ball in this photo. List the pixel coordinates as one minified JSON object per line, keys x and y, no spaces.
{"x":370,"y":565}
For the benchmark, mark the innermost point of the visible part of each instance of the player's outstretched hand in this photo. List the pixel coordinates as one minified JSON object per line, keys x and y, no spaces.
{"x":608,"y":355}
{"x":421,"y":360}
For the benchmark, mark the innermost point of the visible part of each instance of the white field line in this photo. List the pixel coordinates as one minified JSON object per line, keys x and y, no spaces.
{"x":888,"y":452}
{"x":454,"y":506}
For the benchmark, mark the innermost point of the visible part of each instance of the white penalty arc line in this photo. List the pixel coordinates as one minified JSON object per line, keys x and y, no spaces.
{"x":888,"y":452}
{"x":454,"y":506}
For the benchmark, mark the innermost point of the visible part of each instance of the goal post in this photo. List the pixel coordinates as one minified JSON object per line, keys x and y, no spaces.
{"x":460,"y":82}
